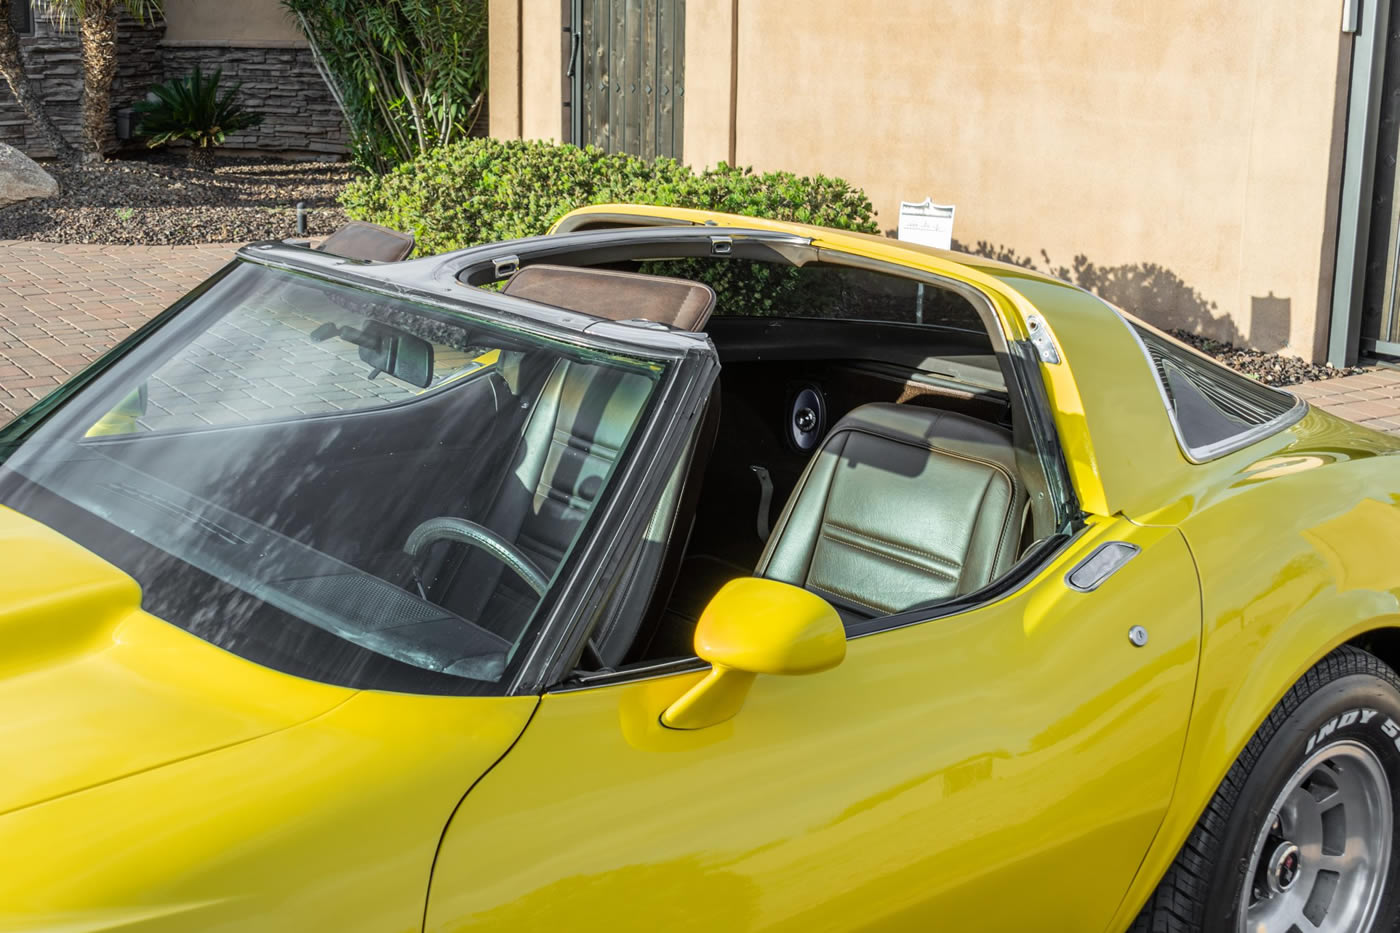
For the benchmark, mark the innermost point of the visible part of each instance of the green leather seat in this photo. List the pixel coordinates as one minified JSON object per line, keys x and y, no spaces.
{"x":576,"y":427}
{"x":900,"y":507}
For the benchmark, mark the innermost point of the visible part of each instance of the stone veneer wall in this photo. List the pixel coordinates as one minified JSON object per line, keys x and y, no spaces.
{"x":54,"y":61}
{"x":280,"y":81}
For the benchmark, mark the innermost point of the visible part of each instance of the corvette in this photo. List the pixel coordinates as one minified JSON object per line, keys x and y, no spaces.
{"x":679,"y":570}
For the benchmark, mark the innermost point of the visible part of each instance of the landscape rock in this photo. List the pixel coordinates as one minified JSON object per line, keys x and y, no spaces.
{"x":21,"y":178}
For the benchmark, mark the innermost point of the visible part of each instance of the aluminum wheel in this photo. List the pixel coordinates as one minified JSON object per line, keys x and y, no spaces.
{"x":1320,"y":861}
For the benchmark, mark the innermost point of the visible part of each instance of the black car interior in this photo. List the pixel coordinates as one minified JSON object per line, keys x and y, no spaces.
{"x":878,"y":462}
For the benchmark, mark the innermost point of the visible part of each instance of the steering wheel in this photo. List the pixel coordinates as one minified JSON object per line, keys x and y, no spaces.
{"x":448,"y":528}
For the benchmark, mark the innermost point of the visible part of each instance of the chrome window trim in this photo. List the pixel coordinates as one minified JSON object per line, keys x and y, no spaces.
{"x":1228,"y":445}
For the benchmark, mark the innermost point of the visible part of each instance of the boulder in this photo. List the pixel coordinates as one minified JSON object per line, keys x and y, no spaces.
{"x":22,"y":178}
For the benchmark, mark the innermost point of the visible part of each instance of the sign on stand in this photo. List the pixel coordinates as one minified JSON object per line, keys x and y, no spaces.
{"x":926,"y":223}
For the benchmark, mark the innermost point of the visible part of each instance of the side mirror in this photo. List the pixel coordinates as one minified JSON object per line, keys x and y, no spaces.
{"x":755,"y":626}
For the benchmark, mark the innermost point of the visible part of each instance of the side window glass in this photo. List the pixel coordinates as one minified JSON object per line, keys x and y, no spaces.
{"x":1211,"y":406}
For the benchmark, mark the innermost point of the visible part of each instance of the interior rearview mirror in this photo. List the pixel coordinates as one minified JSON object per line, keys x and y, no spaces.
{"x":755,"y":626}
{"x":386,"y":349}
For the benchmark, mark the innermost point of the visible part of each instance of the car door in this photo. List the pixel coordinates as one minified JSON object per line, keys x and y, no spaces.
{"x":1005,"y":767}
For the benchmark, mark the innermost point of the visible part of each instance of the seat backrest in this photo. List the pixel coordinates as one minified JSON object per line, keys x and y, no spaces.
{"x":577,"y":426}
{"x":901,"y":506}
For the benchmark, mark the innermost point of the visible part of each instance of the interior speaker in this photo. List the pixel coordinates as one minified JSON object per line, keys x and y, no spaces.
{"x":807,"y":417}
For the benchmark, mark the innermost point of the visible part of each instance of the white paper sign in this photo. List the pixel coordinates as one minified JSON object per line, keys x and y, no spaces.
{"x":926,"y":223}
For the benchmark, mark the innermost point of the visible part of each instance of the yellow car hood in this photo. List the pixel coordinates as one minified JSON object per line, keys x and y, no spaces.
{"x":93,"y":689}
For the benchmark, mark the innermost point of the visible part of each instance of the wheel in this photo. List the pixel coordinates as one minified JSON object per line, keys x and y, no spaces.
{"x":1301,"y":835}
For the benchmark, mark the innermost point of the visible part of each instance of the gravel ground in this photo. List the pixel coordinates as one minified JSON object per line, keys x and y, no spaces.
{"x":1269,"y":368}
{"x":158,"y":200}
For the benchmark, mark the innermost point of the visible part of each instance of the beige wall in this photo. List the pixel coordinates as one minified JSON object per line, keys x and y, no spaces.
{"x":526,"y":40}
{"x":709,"y":81}
{"x":1188,"y":148}
{"x":229,"y":20}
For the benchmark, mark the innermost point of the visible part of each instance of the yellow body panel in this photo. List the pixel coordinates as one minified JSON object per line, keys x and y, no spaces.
{"x":1026,"y":746}
{"x":1315,"y":515}
{"x":150,"y":781}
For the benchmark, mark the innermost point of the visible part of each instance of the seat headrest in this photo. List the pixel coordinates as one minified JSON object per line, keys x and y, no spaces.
{"x":362,"y":240}
{"x":616,"y":296}
{"x":933,"y":429}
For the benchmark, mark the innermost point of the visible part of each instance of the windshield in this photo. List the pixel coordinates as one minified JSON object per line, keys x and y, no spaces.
{"x":359,"y":489}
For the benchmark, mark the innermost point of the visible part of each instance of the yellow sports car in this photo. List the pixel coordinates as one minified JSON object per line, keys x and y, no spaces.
{"x":472,"y":592}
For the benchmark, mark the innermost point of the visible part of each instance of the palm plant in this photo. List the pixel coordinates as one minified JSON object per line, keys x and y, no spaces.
{"x":97,"y":36}
{"x":193,"y":109}
{"x":26,"y":94}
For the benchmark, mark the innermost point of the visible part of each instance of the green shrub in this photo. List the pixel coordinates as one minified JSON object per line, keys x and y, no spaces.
{"x":482,"y":190}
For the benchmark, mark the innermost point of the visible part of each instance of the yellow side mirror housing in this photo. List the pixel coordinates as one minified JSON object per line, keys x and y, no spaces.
{"x":755,"y":626}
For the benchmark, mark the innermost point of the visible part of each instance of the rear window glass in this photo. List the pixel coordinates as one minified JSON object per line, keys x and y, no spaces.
{"x":1214,"y":408}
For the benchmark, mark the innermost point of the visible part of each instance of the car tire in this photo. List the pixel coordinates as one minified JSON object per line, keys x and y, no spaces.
{"x":1261,"y":854}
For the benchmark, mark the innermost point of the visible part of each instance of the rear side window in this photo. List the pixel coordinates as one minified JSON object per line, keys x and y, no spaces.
{"x":1215,"y":409}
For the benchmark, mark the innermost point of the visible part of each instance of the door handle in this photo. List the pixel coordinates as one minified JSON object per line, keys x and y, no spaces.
{"x":573,"y":54}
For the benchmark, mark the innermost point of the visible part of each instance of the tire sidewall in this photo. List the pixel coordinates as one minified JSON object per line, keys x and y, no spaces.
{"x":1324,"y":718}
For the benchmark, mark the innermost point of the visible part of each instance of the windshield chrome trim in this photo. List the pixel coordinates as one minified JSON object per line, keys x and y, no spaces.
{"x":1224,"y":446}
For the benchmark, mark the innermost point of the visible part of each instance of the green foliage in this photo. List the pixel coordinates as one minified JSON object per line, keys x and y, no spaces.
{"x":192,"y":108}
{"x":409,"y":74}
{"x":483,"y":190}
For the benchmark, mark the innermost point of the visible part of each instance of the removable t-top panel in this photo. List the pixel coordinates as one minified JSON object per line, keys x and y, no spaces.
{"x":616,"y":296}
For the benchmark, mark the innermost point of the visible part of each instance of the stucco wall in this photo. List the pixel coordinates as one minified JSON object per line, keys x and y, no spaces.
{"x":525,"y":70}
{"x":1187,"y":150}
{"x":222,"y":20}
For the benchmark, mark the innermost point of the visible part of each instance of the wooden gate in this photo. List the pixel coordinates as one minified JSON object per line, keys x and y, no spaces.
{"x":627,"y":75}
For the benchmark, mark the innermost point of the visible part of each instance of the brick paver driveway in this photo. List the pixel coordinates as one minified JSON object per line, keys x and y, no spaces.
{"x":61,"y":306}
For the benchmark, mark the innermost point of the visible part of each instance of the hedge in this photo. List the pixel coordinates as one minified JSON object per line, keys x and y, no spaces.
{"x":482,"y":190}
